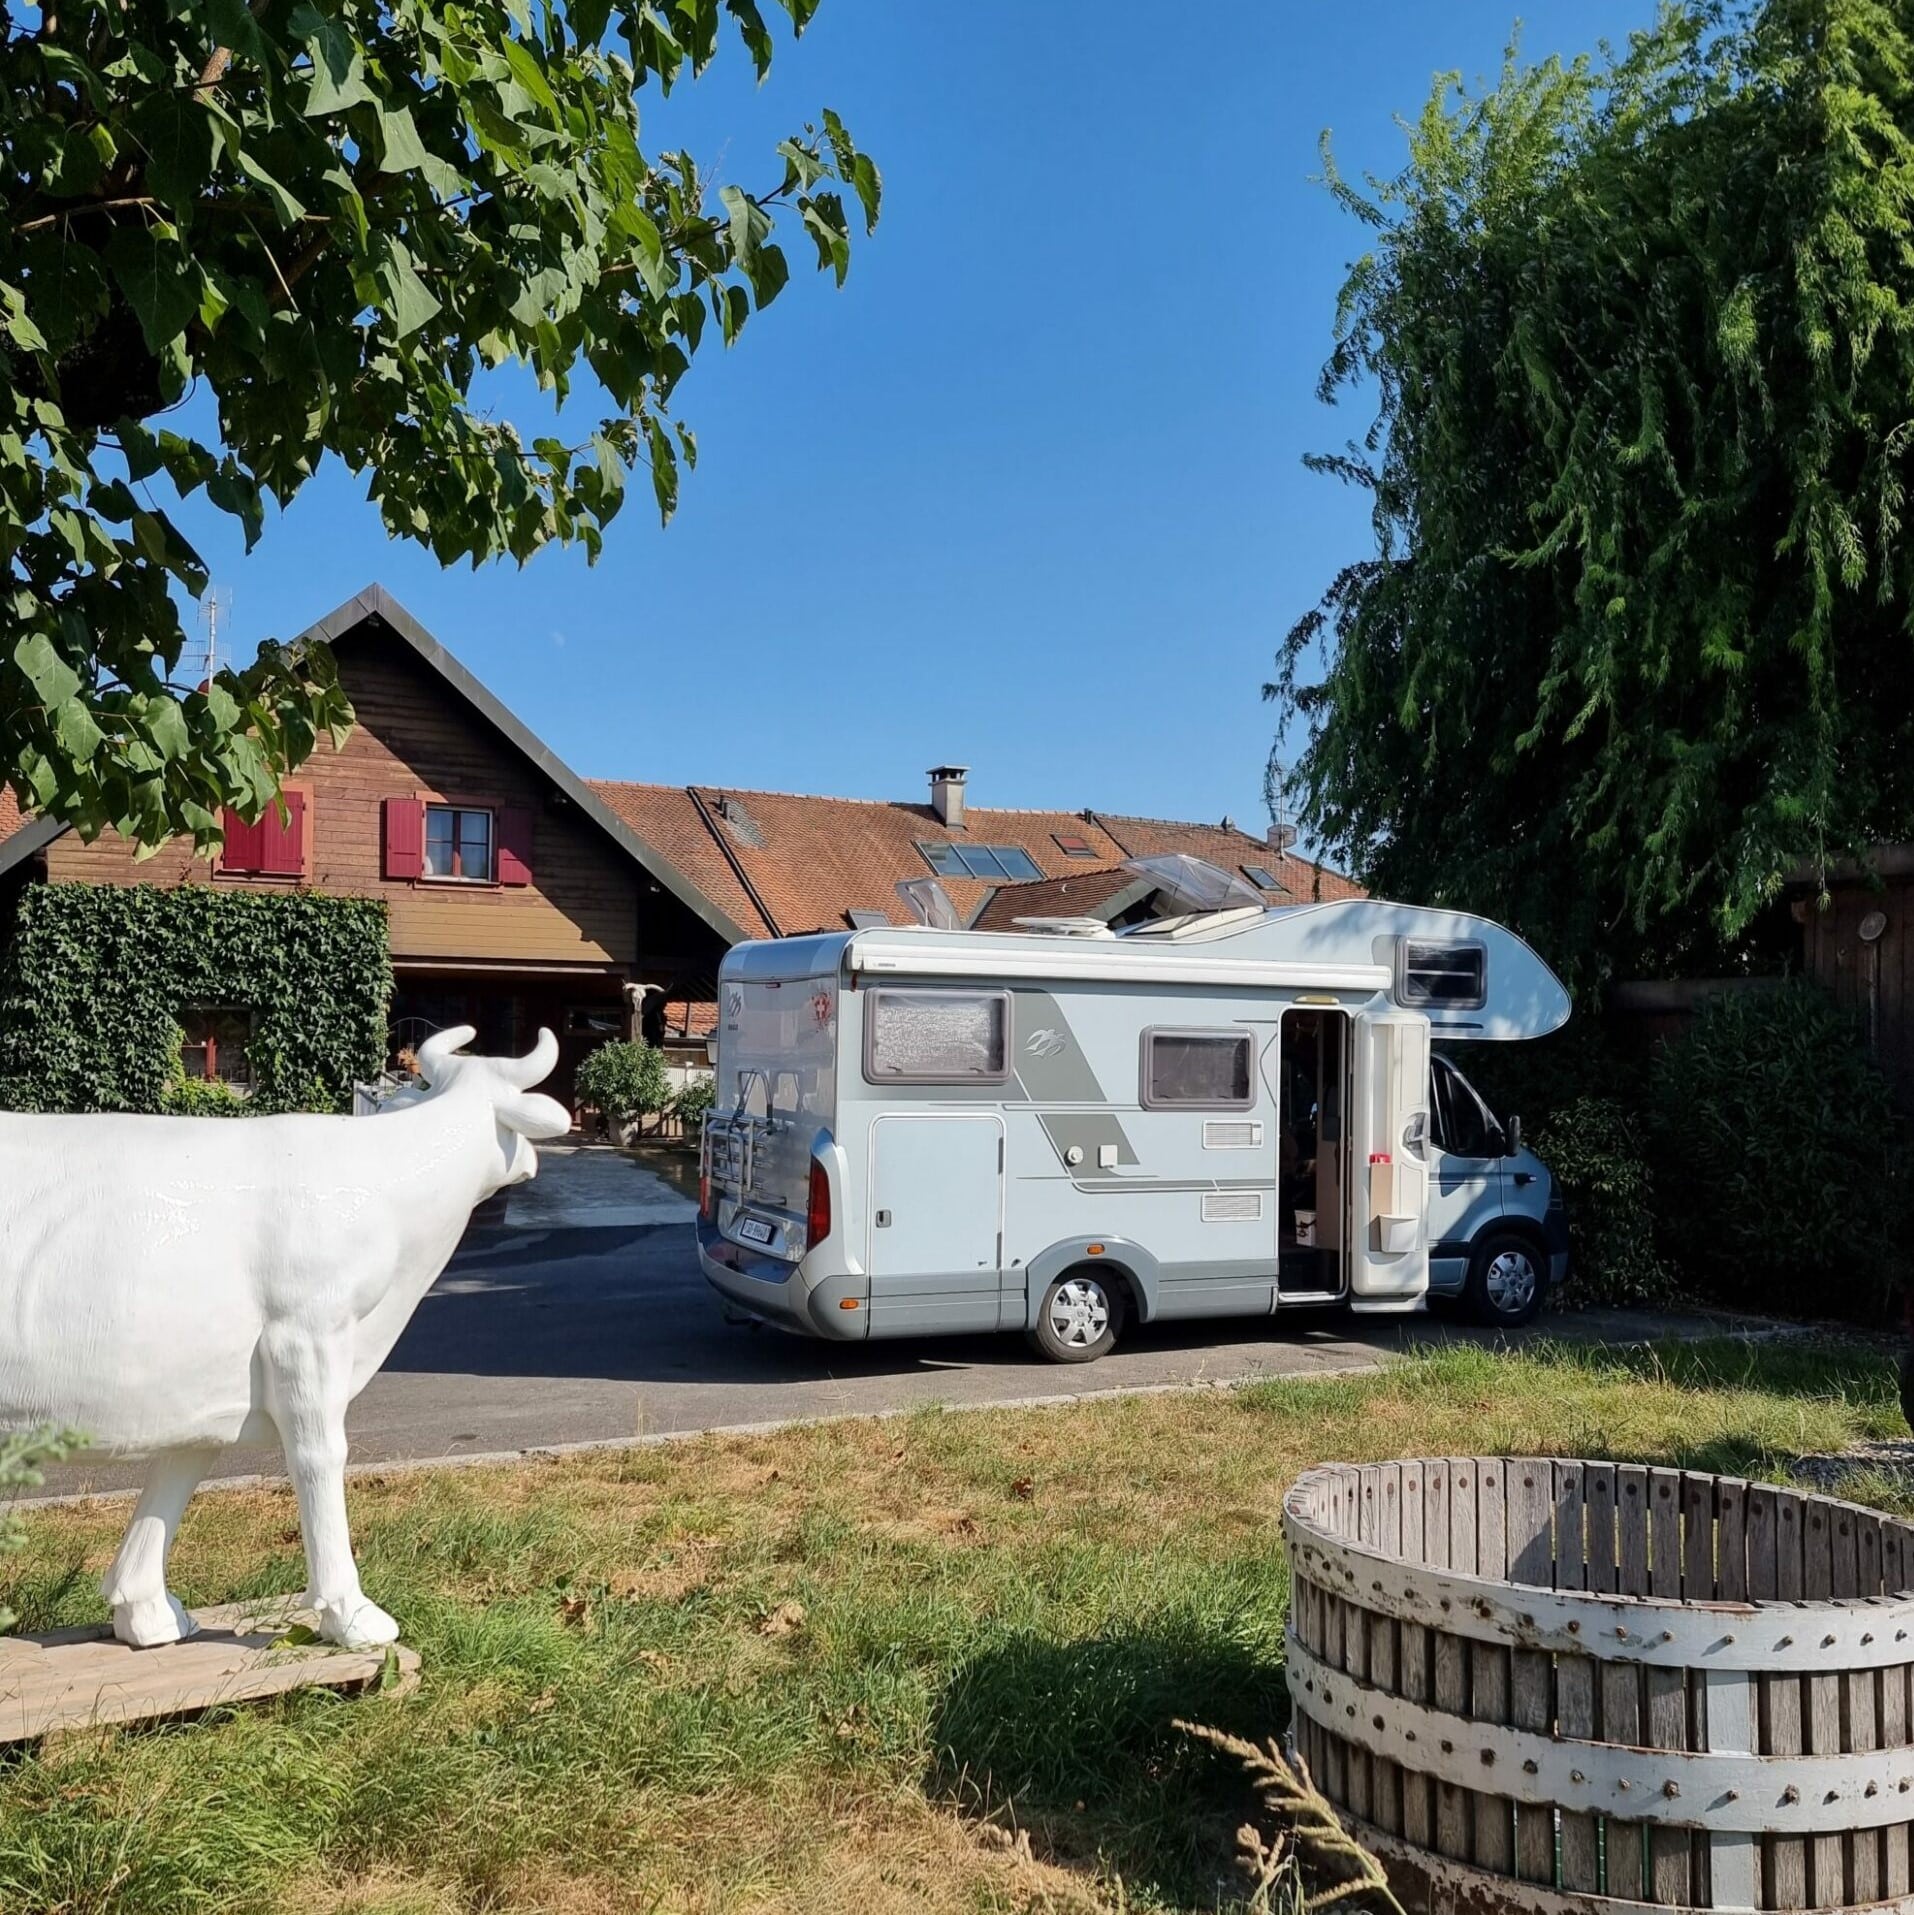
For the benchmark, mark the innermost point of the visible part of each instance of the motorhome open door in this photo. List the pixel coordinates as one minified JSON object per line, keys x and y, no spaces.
{"x":1389,"y":1194}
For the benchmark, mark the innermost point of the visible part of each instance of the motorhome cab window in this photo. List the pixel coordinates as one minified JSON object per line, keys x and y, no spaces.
{"x":1191,"y":1070}
{"x":1451,"y":976}
{"x":936,"y":1037}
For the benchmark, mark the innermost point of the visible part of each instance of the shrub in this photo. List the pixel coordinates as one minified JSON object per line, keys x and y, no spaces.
{"x":194,"y":1097}
{"x":693,"y":1104}
{"x":624,"y":1081}
{"x":22,"y":1457}
{"x":1779,"y":1156}
{"x":1595,"y":1147}
{"x":95,"y":978}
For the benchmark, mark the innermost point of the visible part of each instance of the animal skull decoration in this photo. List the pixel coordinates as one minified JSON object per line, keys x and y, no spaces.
{"x":173,"y":1285}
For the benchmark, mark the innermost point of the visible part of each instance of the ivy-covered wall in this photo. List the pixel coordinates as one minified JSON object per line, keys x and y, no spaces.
{"x":93,"y":979}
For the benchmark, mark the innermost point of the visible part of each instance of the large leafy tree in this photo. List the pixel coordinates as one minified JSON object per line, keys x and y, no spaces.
{"x":1635,"y":639}
{"x":325,"y":226}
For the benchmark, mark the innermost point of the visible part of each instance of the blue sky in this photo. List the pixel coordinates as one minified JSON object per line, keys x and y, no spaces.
{"x":1028,"y":492}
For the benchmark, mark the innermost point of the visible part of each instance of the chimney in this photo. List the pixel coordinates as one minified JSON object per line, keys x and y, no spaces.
{"x":947,"y":794}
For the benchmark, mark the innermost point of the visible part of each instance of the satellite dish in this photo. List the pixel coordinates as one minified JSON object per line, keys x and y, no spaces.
{"x":1872,"y":926}
{"x":1281,"y":837}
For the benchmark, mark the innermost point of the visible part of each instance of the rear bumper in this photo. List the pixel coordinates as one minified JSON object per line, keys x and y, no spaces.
{"x":776,"y":1291}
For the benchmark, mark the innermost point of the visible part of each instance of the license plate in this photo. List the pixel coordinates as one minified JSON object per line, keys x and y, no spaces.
{"x":755,"y":1230}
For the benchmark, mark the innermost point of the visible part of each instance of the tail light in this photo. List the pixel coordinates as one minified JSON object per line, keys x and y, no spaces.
{"x":817,"y":1217}
{"x":704,"y":1194}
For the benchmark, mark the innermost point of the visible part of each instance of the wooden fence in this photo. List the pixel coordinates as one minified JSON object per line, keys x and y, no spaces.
{"x":1556,"y":1686}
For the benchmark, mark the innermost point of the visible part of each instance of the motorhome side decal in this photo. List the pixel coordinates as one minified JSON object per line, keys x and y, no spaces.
{"x":1050,"y":1068}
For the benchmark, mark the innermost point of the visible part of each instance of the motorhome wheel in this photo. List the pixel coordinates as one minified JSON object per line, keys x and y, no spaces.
{"x":1081,"y":1315}
{"x":1505,"y":1280}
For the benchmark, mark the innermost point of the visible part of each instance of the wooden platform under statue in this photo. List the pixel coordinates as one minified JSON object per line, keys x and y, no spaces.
{"x":72,"y":1679}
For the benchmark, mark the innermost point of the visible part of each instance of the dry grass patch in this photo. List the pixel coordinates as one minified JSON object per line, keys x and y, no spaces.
{"x":928,"y":1663}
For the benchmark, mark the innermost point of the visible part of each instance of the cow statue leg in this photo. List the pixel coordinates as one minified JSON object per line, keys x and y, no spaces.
{"x":144,"y":1613}
{"x":308,"y":1378}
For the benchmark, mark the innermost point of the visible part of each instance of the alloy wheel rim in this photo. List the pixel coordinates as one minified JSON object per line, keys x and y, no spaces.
{"x":1511,"y":1281}
{"x":1079,"y":1312}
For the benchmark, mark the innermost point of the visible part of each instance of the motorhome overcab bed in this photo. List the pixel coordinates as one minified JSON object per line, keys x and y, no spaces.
{"x":923,"y":1132}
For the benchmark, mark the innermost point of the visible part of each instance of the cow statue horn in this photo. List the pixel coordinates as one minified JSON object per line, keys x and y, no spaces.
{"x":175,"y":1285}
{"x":534,"y":1067}
{"x":438,"y":1050}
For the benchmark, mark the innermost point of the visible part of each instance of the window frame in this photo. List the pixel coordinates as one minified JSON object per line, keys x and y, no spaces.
{"x":1439,"y":1004}
{"x":952,"y":850}
{"x":458,"y":810}
{"x":212,"y":1015}
{"x":1263,"y":878}
{"x":879,"y":1080}
{"x":1147,"y":1095}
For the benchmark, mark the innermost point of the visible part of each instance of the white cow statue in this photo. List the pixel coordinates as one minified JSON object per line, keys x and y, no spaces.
{"x":172,"y":1285}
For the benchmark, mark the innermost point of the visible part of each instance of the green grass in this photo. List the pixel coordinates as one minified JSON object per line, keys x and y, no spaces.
{"x":839,"y":1667}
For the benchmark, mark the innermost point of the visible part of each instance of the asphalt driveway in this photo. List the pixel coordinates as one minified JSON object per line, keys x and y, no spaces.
{"x":584,"y":1319}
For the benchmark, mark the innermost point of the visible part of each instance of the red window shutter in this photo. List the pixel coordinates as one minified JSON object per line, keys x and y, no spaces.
{"x":404,"y":837}
{"x":282,"y":849}
{"x":241,"y":851}
{"x":514,"y":844}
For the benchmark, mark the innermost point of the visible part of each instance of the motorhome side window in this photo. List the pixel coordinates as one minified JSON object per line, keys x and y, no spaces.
{"x":937,"y":1037}
{"x":1442,"y":976}
{"x":1197,"y":1070}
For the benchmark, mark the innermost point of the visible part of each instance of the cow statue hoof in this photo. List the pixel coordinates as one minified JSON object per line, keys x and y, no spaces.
{"x":153,"y":1622}
{"x":353,"y":1622}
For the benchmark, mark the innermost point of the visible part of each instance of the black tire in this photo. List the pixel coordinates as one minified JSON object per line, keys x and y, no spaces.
{"x":1508,"y":1277}
{"x":1081,"y":1316}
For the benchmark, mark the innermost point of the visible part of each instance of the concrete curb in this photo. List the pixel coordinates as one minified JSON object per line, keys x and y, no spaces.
{"x":662,"y":1439}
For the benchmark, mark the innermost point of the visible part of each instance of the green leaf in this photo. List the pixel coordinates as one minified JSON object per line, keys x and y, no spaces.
{"x":286,"y":209}
{"x":749,"y":222}
{"x":768,"y":273}
{"x":338,"y":61}
{"x":46,"y":671}
{"x":408,"y":300}
{"x":160,"y":282}
{"x":755,"y":34}
{"x":179,"y":139}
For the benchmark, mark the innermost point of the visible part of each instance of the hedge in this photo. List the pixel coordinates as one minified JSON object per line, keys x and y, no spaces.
{"x":94,"y":979}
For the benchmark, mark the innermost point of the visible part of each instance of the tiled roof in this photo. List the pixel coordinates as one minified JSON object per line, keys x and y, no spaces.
{"x":783,"y":864}
{"x":1084,"y":894}
{"x":11,"y":816}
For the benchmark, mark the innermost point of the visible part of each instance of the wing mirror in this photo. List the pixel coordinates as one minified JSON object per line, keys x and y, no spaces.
{"x":1514,"y":1133}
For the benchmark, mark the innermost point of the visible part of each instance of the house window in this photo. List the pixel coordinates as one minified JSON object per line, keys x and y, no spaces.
{"x":1263,"y":878}
{"x":1072,"y":846}
{"x":1442,"y":976}
{"x":272,"y":846}
{"x":214,"y":1043}
{"x":992,"y":861}
{"x":936,"y":1037}
{"x":458,"y":844}
{"x":1197,"y":1070}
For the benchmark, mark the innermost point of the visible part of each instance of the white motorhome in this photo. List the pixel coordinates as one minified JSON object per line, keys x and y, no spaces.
{"x":924,"y":1131}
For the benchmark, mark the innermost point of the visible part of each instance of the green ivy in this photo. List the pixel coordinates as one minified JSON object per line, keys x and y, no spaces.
{"x":95,"y":978}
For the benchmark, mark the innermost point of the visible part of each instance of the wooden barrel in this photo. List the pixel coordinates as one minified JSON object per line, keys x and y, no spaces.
{"x":1552,"y":1686}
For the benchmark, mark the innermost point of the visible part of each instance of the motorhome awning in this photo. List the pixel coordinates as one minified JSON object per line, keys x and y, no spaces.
{"x":1074,"y":958}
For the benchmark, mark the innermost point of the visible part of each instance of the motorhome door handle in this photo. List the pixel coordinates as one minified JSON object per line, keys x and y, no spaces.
{"x":1524,"y":1176}
{"x":883,"y":1220}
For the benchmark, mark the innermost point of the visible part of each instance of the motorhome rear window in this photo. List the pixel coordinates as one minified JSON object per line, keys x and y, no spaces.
{"x":1208,"y":1070}
{"x":1442,"y":976}
{"x":937,"y":1037}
